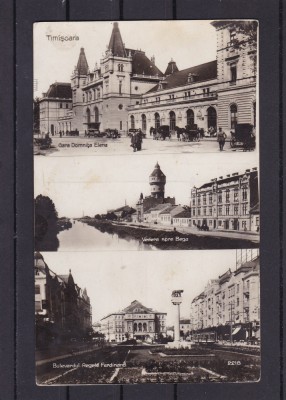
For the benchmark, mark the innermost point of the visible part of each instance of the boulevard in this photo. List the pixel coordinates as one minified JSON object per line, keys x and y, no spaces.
{"x":140,"y":363}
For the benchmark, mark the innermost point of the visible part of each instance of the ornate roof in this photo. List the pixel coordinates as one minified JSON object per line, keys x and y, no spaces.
{"x":82,"y":65}
{"x":157,"y":172}
{"x":202,"y":72}
{"x":60,"y":90}
{"x":141,"y":65}
{"x":171,"y":68}
{"x":116,"y":45}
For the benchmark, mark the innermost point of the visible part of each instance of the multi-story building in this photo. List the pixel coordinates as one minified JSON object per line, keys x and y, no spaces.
{"x":62,"y":308}
{"x":226,"y":202}
{"x":231,"y":302}
{"x":135,"y":321}
{"x":127,"y":90}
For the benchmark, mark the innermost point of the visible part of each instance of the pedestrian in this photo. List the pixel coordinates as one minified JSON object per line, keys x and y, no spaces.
{"x":221,"y":136}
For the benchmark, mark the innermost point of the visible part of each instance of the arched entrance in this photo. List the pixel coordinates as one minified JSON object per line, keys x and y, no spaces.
{"x":172,"y":117}
{"x":190,"y":117}
{"x":144,"y":124}
{"x":132,"y":122}
{"x":212,"y":119}
{"x":157,"y":120}
{"x":96,"y":114}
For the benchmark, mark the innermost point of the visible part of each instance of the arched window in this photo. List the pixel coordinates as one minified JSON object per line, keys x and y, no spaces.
{"x":96,"y":114}
{"x":135,"y":327}
{"x":157,"y":120}
{"x":132,"y":121}
{"x":212,"y":119}
{"x":144,"y":327}
{"x":190,"y":117}
{"x":140,"y":327}
{"x":172,"y":117}
{"x":143,"y":119}
{"x":233,"y":116}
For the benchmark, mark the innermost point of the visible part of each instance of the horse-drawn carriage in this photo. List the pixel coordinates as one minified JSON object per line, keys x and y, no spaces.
{"x":243,"y":136}
{"x":190,"y":133}
{"x":112,"y":133}
{"x":94,"y":131}
{"x":43,"y":143}
{"x":162,"y":132}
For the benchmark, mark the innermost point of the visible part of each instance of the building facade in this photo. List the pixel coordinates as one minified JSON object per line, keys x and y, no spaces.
{"x":231,"y":303}
{"x":134,"y":322}
{"x":127,"y":90}
{"x":62,"y":308}
{"x":226,"y":202}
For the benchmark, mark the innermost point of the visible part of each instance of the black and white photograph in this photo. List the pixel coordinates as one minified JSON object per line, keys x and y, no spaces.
{"x":168,"y":203}
{"x":118,"y":318}
{"x":146,"y":86}
{"x":139,"y":150}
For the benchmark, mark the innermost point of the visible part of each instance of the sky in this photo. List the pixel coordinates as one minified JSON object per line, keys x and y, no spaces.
{"x":113,"y":280}
{"x":90,"y":185}
{"x":189,"y":43}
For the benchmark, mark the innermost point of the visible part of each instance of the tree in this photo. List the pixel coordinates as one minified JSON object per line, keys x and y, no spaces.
{"x":246,"y":39}
{"x":46,"y":229}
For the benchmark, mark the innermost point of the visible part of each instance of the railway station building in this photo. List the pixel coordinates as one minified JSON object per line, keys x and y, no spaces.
{"x":127,"y":90}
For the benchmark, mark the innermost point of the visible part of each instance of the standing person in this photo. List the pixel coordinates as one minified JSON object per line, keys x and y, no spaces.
{"x":221,"y":136}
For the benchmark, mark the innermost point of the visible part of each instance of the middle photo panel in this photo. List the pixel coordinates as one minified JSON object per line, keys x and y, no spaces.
{"x":152,"y":202}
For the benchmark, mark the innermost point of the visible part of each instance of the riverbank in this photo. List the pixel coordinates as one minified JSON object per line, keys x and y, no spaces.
{"x":166,"y":239}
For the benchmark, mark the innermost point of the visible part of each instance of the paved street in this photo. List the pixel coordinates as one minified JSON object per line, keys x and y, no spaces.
{"x":71,"y":146}
{"x":251,"y":236}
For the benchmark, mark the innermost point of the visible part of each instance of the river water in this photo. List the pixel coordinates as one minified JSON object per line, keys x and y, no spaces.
{"x":83,"y":237}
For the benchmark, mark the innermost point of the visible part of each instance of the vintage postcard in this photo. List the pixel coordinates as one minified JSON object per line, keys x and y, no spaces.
{"x":146,"y":139}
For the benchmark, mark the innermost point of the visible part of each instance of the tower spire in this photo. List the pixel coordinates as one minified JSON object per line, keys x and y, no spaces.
{"x":82,"y":65}
{"x":116,"y":45}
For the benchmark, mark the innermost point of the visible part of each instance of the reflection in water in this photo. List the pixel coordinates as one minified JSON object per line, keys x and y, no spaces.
{"x":82,"y":237}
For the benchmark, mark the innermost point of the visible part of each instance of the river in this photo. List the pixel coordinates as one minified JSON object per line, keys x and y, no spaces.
{"x":82,"y":237}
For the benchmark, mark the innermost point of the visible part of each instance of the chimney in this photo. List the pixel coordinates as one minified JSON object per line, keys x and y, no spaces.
{"x":254,"y":169}
{"x":153,"y":59}
{"x":247,"y":170}
{"x":228,"y":176}
{"x":235,"y":174}
{"x":221,"y":177}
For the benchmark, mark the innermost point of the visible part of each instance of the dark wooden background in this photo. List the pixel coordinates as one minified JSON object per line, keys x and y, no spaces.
{"x":16,"y":240}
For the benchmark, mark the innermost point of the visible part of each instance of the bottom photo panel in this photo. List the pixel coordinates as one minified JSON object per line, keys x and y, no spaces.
{"x":127,"y":318}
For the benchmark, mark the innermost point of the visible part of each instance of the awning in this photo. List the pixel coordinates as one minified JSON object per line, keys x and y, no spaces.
{"x":236,"y":330}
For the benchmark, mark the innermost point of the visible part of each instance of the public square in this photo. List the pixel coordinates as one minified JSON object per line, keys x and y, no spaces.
{"x":79,"y":146}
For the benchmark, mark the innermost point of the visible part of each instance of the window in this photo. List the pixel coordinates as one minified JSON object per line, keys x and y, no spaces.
{"x":257,"y":221}
{"x":235,"y":195}
{"x":120,"y":87}
{"x":227,"y":196}
{"x":38,"y":306}
{"x":220,"y":212}
{"x":194,"y":212}
{"x":220,"y":198}
{"x":244,"y":194}
{"x":204,"y":199}
{"x":199,"y":211}
{"x":227,"y":210}
{"x":199,"y":199}
{"x":67,"y":105}
{"x":233,"y":73}
{"x":120,"y":125}
{"x":132,"y":121}
{"x":37,"y":289}
{"x":237,"y":288}
{"x":235,"y":210}
{"x":205,"y":210}
{"x":233,"y":116}
{"x":244,"y":209}
{"x":210,"y":211}
{"x":61,"y":105}
{"x":210,"y":198}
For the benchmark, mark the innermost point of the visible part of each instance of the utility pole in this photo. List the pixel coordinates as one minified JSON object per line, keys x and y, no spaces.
{"x":231,"y":321}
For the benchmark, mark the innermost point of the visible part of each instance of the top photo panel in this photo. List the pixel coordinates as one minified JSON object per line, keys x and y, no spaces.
{"x":153,"y":87}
